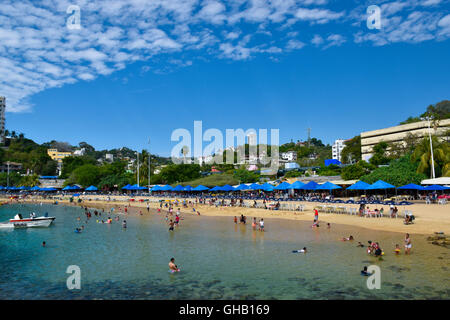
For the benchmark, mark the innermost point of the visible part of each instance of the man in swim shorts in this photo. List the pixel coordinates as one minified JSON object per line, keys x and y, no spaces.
{"x":171,"y":224}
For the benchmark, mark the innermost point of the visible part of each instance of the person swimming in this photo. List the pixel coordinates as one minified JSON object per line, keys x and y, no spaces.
{"x":364,"y":272}
{"x":360,"y":245}
{"x":300,"y":251}
{"x":348,"y":239}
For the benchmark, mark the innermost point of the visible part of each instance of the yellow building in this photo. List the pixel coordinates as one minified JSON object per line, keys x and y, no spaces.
{"x":58,"y":155}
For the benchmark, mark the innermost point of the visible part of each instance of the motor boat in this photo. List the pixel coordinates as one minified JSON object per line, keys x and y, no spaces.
{"x":31,"y":222}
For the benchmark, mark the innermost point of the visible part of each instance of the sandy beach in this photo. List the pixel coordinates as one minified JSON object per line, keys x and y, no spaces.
{"x":429,"y":218}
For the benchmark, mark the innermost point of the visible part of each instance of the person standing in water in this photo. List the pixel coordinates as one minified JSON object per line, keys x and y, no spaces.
{"x":408,"y":244}
{"x":172,"y":266}
{"x":261,"y":225}
{"x":124,"y":224}
{"x":316,"y":216}
{"x":171,"y":224}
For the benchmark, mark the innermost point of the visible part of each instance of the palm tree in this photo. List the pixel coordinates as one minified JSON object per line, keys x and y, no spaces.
{"x":441,"y":155}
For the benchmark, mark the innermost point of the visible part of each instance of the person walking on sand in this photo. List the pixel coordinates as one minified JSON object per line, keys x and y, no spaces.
{"x":316,"y":215}
{"x":408,"y":244}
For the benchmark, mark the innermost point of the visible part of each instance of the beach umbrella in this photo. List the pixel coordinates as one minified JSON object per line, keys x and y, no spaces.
{"x":411,"y":186}
{"x":255,"y":186}
{"x":360,"y":185}
{"x":187,"y":188}
{"x":328,"y":186}
{"x":310,"y":186}
{"x":434,"y":187}
{"x":380,"y":185}
{"x":216,"y":188}
{"x":297,"y":185}
{"x":35,"y":188}
{"x":267,"y":187}
{"x":91,"y":188}
{"x":126,"y":187}
{"x":166,"y":188}
{"x":156,"y":188}
{"x":200,"y":188}
{"x":178,"y":188}
{"x":227,"y":187}
{"x":48,"y":189}
{"x":66,"y":188}
{"x":242,"y":187}
{"x":283,"y":186}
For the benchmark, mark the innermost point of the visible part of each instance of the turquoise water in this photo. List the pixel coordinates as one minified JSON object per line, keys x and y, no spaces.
{"x":218,"y":259}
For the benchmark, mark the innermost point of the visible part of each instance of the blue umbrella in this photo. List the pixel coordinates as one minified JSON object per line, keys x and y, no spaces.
{"x":297,"y":185}
{"x":267,"y":187}
{"x":227,"y":187}
{"x":328,"y":186}
{"x":310,"y":186}
{"x":283,"y":186}
{"x":255,"y":186}
{"x":380,"y":184}
{"x":127,"y":187}
{"x":216,"y":188}
{"x":35,"y":188}
{"x":360,"y":185}
{"x":434,"y":187}
{"x":411,"y":186}
{"x":66,"y":188}
{"x":156,"y":188}
{"x":178,"y":188}
{"x":187,"y":188}
{"x":166,"y":188}
{"x":200,"y":188}
{"x":91,"y":188}
{"x":241,"y":187}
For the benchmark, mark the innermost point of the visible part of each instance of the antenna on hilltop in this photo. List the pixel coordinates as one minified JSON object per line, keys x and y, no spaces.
{"x":309,"y":137}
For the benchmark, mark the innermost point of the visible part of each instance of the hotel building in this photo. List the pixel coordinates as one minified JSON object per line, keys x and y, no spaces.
{"x":398,"y":134}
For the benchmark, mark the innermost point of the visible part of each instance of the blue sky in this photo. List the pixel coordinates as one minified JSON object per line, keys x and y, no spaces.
{"x":136,"y":71}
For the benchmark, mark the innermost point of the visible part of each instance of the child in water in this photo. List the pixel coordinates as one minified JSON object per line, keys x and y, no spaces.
{"x":397,"y":249}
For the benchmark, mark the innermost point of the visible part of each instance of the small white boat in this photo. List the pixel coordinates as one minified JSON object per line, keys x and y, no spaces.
{"x":32,"y":222}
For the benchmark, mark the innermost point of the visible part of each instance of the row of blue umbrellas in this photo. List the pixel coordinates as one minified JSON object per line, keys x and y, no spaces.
{"x":298,"y":185}
{"x":380,"y":184}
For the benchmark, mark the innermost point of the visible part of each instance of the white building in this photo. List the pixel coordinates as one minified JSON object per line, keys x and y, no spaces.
{"x":79,"y":152}
{"x":337,"y":148}
{"x":2,"y":119}
{"x":289,"y":156}
{"x":109,"y":157}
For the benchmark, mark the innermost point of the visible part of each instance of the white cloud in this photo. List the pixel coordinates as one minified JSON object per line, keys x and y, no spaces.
{"x":294,"y":45}
{"x":38,"y":52}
